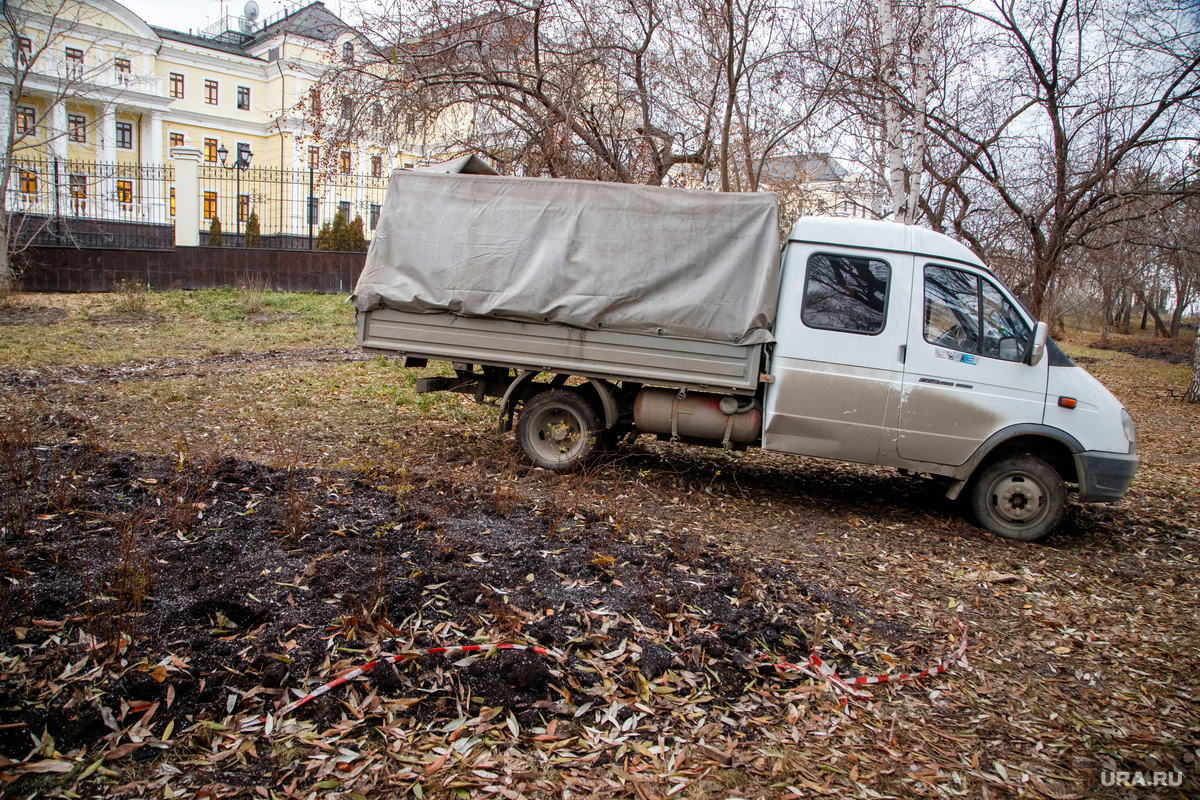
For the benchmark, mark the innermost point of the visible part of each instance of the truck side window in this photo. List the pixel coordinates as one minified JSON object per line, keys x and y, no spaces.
{"x":1005,"y":332}
{"x":843,"y":293}
{"x":952,"y":309}
{"x":959,"y":305}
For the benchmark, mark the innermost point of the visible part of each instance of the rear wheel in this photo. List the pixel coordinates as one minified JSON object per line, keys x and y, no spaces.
{"x":1020,"y":497}
{"x":558,"y":430}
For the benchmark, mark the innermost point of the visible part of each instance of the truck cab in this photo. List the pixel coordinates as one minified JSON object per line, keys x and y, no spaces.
{"x":896,"y":345}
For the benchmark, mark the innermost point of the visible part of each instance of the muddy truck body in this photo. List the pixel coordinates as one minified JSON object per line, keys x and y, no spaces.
{"x":590,"y":312}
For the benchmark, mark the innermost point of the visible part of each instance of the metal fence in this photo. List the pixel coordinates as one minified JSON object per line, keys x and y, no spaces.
{"x":291,"y":205}
{"x":90,"y":204}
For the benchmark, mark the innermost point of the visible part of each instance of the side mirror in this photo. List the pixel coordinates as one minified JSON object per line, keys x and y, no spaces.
{"x":1037,"y":348}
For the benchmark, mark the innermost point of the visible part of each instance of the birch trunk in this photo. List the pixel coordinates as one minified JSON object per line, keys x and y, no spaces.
{"x":891,"y":110}
{"x":924,"y":62}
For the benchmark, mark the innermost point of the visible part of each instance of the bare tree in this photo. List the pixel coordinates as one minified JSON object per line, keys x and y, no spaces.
{"x":1072,"y":91}
{"x":33,"y":33}
{"x":567,"y":89}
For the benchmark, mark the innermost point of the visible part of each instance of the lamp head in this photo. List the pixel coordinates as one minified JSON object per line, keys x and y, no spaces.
{"x":222,"y":153}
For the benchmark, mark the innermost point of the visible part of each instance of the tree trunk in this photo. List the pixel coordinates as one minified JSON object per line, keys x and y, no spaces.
{"x":924,"y":60}
{"x":1160,"y":329}
{"x":891,"y":111}
{"x":1109,"y":313}
{"x":1193,"y":392}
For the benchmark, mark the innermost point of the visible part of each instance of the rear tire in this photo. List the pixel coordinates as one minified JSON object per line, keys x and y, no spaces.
{"x":558,"y":430}
{"x":1020,"y":498}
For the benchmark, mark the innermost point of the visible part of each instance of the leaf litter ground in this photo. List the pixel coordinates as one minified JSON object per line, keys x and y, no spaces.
{"x":165,"y":605}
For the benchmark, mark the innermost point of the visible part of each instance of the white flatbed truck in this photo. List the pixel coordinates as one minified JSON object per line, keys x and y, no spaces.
{"x":678,"y":316}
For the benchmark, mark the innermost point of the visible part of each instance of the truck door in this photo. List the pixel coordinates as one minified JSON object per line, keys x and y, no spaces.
{"x":839,"y":330}
{"x":965,"y":375}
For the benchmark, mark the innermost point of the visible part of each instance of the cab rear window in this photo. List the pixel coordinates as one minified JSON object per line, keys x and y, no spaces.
{"x":845,"y":293}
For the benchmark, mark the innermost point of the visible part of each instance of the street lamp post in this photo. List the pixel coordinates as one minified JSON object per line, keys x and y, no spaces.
{"x":242,"y":162}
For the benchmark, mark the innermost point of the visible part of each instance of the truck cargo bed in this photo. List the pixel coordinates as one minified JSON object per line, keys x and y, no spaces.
{"x":615,"y":356}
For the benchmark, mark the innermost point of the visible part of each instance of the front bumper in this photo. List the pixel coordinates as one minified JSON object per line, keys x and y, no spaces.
{"x":1104,"y":477}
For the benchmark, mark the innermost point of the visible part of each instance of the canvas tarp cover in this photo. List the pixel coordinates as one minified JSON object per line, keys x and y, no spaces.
{"x":636,"y":259}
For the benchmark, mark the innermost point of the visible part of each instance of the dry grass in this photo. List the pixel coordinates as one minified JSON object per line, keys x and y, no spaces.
{"x":1079,"y":659}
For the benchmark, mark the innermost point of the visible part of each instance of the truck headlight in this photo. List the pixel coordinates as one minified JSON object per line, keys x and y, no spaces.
{"x":1127,"y":426}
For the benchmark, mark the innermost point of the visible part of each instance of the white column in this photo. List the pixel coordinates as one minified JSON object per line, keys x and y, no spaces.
{"x":298,"y":213}
{"x":187,"y":194}
{"x":106,"y":184}
{"x":56,"y":135}
{"x":56,"y":131}
{"x":153,"y":185}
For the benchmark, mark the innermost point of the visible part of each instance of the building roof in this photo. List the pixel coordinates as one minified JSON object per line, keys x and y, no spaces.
{"x":200,"y":41}
{"x":314,"y":21}
{"x":804,"y":168}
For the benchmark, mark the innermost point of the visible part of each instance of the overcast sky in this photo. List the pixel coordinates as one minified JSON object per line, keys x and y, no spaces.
{"x":182,"y":15}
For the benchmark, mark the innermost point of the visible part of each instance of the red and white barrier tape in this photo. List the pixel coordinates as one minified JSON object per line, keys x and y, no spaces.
{"x":822,"y":670}
{"x":847,"y":684}
{"x":409,"y":655}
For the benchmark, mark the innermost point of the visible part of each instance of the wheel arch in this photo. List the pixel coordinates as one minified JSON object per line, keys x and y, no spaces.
{"x":1056,"y":447}
{"x":595,"y":391}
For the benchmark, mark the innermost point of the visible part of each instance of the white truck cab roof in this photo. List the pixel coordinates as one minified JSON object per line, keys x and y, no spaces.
{"x":878,"y":235}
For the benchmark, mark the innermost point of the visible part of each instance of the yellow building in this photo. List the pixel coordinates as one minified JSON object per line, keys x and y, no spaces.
{"x":107,"y":97}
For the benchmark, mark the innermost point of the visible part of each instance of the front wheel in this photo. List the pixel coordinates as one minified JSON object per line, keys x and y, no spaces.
{"x":558,"y":430}
{"x":1019,"y":498}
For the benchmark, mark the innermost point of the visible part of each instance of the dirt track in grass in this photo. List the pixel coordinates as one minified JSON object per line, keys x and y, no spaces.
{"x":204,"y":536}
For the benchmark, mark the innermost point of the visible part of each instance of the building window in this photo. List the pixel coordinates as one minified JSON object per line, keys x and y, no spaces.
{"x":347,"y":107}
{"x":176,"y":140}
{"x":210,"y":92}
{"x":177,"y":85}
{"x":210,"y":205}
{"x":125,"y":135}
{"x":314,"y":99}
{"x":210,"y":150}
{"x":376,"y":166}
{"x":344,"y":162}
{"x":78,"y":185}
{"x":344,"y":209}
{"x":28,"y":180}
{"x":74,"y":63}
{"x":26,"y":50}
{"x":27,"y":121}
{"x":243,"y":154}
{"x":314,"y":210}
{"x":124,"y":69}
{"x":243,"y":98}
{"x":348,"y":52}
{"x":125,"y":191}
{"x":377,"y":114}
{"x":243,"y":207}
{"x":314,"y":156}
{"x":374,"y":216}
{"x":77,"y":128}
{"x":172,"y":201}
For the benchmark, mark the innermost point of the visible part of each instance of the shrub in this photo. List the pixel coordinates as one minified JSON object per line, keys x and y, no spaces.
{"x":324,"y":237}
{"x":129,"y":297}
{"x":214,"y":233}
{"x":357,"y":239}
{"x":253,"y":231}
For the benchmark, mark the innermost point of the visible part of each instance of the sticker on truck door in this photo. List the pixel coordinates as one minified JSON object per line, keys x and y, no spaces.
{"x":950,"y":355}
